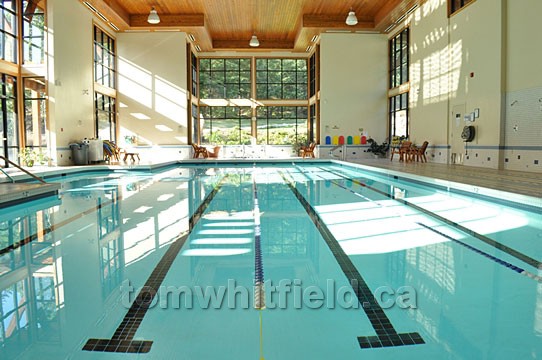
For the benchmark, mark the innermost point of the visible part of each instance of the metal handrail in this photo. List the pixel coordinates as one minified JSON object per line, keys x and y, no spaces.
{"x":7,"y":175}
{"x":335,"y":156}
{"x":23,"y":170}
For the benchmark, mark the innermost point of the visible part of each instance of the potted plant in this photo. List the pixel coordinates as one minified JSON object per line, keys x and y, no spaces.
{"x":379,"y":150}
{"x":299,"y":144}
{"x":31,"y":156}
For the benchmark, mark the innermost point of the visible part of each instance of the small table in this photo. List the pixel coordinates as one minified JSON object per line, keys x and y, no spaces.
{"x":132,"y":156}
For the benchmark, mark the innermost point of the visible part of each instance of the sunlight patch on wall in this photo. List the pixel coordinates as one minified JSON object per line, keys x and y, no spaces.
{"x":140,"y":116}
{"x":429,"y":7}
{"x":436,"y":77}
{"x":135,"y":82}
{"x":164,"y":128}
{"x":170,"y":100}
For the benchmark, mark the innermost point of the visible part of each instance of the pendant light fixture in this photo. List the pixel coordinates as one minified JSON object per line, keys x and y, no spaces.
{"x":254,"y":42}
{"x":351,"y":19}
{"x":153,"y":17}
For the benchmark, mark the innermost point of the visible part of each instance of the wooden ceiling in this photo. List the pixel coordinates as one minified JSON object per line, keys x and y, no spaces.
{"x":280,"y":25}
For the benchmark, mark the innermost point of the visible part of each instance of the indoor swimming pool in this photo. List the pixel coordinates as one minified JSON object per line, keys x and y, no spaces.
{"x":309,"y":260}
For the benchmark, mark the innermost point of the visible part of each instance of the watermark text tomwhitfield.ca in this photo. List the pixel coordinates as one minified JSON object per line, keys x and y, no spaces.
{"x":284,"y":294}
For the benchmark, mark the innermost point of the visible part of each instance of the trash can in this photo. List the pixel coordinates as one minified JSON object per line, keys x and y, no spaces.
{"x":79,"y":154}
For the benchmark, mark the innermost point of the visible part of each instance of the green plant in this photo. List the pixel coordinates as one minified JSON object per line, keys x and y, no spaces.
{"x":299,"y":144}
{"x":377,"y":149}
{"x":30,"y":156}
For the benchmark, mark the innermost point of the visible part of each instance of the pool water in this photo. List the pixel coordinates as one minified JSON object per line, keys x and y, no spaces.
{"x":347,"y":264}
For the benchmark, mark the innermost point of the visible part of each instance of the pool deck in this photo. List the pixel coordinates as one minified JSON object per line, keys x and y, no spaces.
{"x":517,"y":182}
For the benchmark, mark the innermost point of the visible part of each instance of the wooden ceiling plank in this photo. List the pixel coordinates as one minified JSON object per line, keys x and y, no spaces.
{"x":333,"y":21}
{"x":171,"y":20}
{"x":112,"y":11}
{"x":243,"y":44}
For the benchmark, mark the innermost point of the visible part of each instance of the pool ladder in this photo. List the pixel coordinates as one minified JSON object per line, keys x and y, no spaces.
{"x":20,"y":168}
{"x":343,"y":155}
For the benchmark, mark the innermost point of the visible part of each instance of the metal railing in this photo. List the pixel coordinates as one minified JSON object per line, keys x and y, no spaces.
{"x":343,"y":152}
{"x":22,"y":169}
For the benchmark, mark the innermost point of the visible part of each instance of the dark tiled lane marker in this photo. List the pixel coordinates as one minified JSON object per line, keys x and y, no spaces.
{"x":386,"y":335}
{"x":122,"y":340}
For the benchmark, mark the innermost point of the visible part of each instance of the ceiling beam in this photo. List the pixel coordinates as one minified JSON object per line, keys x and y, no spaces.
{"x":168,"y":21}
{"x":243,"y":44}
{"x":334,"y":22}
{"x":111,"y":10}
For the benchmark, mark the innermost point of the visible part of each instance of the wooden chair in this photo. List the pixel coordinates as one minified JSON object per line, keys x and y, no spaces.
{"x":308,"y":150}
{"x":419,"y":153}
{"x":403,"y":150}
{"x":200,"y":150}
{"x":214,"y":153}
{"x":111,"y":150}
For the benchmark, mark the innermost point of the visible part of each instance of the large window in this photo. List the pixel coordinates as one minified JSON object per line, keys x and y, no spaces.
{"x":225,"y":125}
{"x":195,"y":129}
{"x":8,"y":117}
{"x":194,"y":73}
{"x":398,"y":69}
{"x":279,"y":116}
{"x":22,"y":41}
{"x":33,"y":32}
{"x":224,"y":78}
{"x":279,"y":125}
{"x":8,"y":31}
{"x":106,"y":123}
{"x":35,"y":114}
{"x":284,"y":79}
{"x":399,"y":115}
{"x":104,"y":59}
{"x":105,"y":77}
{"x":312,"y":75}
{"x":399,"y":59}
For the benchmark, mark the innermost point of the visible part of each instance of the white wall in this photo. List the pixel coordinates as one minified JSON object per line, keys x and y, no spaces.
{"x":152,"y":92}
{"x":353,"y":82}
{"x":523,"y":46}
{"x":523,"y":99}
{"x":70,"y":77}
{"x":431,"y":77}
{"x":480,"y":58}
{"x":478,"y":28}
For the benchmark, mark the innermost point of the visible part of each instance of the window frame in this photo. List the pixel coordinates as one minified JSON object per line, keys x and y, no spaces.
{"x":399,"y":80}
{"x":276,"y":79}
{"x":28,"y":36}
{"x":455,"y":6}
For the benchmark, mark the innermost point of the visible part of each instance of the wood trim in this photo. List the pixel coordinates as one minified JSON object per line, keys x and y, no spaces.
{"x":105,"y":90}
{"x":112,"y":11}
{"x":467,"y":4}
{"x":403,"y":88}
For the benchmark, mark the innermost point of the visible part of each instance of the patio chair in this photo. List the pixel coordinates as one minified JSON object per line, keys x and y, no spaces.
{"x":214,"y":153}
{"x":111,"y":150}
{"x":419,"y":153}
{"x":403,"y":150}
{"x":200,"y":150}
{"x":308,"y":150}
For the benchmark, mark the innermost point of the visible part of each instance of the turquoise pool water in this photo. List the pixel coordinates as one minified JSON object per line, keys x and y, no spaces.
{"x":349,"y":264}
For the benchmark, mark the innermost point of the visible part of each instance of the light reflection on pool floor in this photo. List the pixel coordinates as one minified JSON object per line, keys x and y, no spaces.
{"x":62,"y":285}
